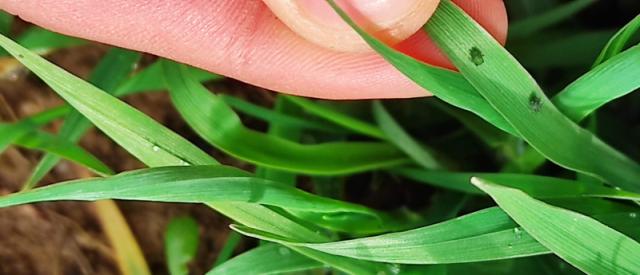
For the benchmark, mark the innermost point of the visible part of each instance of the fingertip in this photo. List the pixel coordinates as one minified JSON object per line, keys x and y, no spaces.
{"x":490,"y":14}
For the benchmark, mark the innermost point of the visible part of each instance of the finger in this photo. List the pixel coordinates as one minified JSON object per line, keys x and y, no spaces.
{"x":491,"y":14}
{"x":241,"y":39}
{"x":388,"y":20}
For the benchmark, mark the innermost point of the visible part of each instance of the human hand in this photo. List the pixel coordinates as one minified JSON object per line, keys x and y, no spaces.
{"x":243,"y":39}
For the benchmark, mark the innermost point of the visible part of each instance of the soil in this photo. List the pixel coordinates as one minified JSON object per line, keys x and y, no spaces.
{"x":66,"y":237}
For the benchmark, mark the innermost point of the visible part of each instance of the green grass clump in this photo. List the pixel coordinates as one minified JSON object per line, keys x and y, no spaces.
{"x":495,"y":205}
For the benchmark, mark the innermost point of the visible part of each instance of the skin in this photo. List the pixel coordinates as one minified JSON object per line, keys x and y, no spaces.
{"x":391,"y":21}
{"x":243,"y":39}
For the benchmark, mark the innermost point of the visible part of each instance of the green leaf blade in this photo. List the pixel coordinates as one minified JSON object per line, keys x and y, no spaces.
{"x":215,"y":121}
{"x":537,"y":23}
{"x":539,"y":187}
{"x":6,"y":21}
{"x":519,"y":99}
{"x":481,"y":236}
{"x":267,"y":259}
{"x":181,"y":244}
{"x":195,"y":184}
{"x":109,"y":73}
{"x":142,"y":136}
{"x":402,"y":139}
{"x":580,"y":240}
{"x":347,"y":122}
{"x":616,"y":77}
{"x":617,"y":43}
{"x":61,"y":148}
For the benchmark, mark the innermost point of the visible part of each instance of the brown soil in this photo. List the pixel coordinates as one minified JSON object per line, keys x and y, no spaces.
{"x":66,"y":237}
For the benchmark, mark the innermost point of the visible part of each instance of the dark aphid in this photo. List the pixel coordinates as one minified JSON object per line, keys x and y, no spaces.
{"x":535,"y":102}
{"x":476,"y":56}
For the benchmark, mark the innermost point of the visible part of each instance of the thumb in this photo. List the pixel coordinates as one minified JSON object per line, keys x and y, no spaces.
{"x":391,"y":21}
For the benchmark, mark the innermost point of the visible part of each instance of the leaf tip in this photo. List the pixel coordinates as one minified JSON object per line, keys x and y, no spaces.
{"x":243,"y":230}
{"x":482,"y":184}
{"x":476,"y":181}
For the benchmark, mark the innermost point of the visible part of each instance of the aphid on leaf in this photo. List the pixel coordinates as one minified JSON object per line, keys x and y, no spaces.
{"x":476,"y":56}
{"x":535,"y":102}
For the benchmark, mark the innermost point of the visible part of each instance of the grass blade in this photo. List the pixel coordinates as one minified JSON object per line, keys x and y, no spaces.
{"x":539,"y":187}
{"x":142,"y":136}
{"x":10,"y":132}
{"x":24,"y":134}
{"x":281,"y":130}
{"x":273,"y":221}
{"x":514,"y":94}
{"x":267,"y":259}
{"x":480,"y":236}
{"x":181,"y":244}
{"x":619,"y":40}
{"x":490,"y":135}
{"x":61,"y":148}
{"x":341,"y":263}
{"x":108,"y":74}
{"x":616,"y":77}
{"x":559,"y":49}
{"x":474,"y":237}
{"x":447,"y":85}
{"x":128,"y":254}
{"x":485,"y":235}
{"x":487,"y":247}
{"x":233,"y":240}
{"x":6,"y":21}
{"x":580,"y":240}
{"x":274,"y":117}
{"x":537,"y":23}
{"x":400,"y":138}
{"x":218,"y":124}
{"x":606,"y":82}
{"x":190,"y":184}
{"x":42,"y":41}
{"x":338,"y":118}
{"x":147,"y":80}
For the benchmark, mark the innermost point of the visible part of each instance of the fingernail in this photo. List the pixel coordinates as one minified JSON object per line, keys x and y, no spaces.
{"x":381,"y":13}
{"x":389,"y":20}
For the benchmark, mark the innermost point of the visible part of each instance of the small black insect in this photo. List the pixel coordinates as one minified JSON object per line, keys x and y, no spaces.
{"x":535,"y":102}
{"x":476,"y":56}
